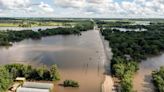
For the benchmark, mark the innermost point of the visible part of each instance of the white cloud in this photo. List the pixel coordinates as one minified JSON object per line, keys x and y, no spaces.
{"x":99,"y":1}
{"x":90,"y":6}
{"x":139,"y":8}
{"x":30,"y":9}
{"x":46,"y":8}
{"x":70,"y":3}
{"x":102,"y":7}
{"x":14,"y":4}
{"x":97,"y":6}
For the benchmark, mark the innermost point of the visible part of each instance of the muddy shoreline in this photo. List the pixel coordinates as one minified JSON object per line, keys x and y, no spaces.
{"x":108,"y":83}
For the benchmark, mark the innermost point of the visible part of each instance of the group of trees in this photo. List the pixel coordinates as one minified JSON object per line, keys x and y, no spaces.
{"x":5,"y":79}
{"x":158,"y":79}
{"x":112,"y":23}
{"x":119,"y":24}
{"x":31,"y":73}
{"x":131,"y":47}
{"x":136,"y":44}
{"x":14,"y":36}
{"x":10,"y":71}
{"x":124,"y":70}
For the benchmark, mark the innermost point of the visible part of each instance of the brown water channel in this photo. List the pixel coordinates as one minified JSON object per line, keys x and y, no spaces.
{"x":143,"y":79}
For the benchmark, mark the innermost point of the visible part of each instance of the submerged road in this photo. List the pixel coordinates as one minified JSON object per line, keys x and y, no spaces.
{"x":108,"y":84}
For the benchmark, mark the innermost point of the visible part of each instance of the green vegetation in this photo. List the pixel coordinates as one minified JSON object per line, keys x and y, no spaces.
{"x":158,"y":79}
{"x":112,"y":23}
{"x":10,"y":71}
{"x":54,"y":73}
{"x":130,"y":47}
{"x":5,"y":79}
{"x":70,"y":83}
{"x":31,"y":73}
{"x":14,"y":36}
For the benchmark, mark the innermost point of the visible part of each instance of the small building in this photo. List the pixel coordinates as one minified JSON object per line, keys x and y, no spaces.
{"x":20,"y":80}
{"x":21,"y":85}
{"x":38,"y":85}
{"x":22,"y":89}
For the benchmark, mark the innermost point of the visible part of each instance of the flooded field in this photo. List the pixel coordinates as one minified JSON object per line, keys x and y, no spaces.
{"x":27,"y":28}
{"x":79,"y":58}
{"x":128,"y":29}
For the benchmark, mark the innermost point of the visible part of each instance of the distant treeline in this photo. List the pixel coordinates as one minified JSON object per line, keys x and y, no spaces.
{"x":18,"y":20}
{"x":10,"y":71}
{"x":129,"y":48}
{"x":14,"y":36}
{"x":112,"y":23}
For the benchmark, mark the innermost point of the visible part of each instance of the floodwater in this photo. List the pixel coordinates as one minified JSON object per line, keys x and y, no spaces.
{"x":27,"y":28}
{"x":79,"y":58}
{"x":129,"y":29}
{"x":141,"y":23}
{"x":143,"y":79}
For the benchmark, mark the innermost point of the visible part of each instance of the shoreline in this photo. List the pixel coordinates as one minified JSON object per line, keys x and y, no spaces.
{"x":108,"y":85}
{"x":108,"y":82}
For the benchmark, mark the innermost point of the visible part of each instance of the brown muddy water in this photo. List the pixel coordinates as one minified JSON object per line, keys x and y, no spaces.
{"x":79,"y":58}
{"x":143,"y":80}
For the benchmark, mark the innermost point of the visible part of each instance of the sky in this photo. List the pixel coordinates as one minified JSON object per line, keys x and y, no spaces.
{"x":83,"y":8}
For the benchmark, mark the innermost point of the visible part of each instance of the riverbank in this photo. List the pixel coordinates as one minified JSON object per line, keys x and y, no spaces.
{"x":107,"y":86}
{"x":108,"y":83}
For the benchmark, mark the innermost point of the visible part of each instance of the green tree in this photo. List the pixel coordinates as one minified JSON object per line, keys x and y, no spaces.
{"x":126,"y":83}
{"x":5,"y":79}
{"x":54,"y":73}
{"x":158,"y":79}
{"x":70,"y":83}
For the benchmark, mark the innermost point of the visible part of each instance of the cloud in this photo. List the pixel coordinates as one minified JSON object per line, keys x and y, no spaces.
{"x":45,"y":7}
{"x":102,"y":6}
{"x":14,"y":4}
{"x":76,"y":8}
{"x":70,"y":3}
{"x":96,"y":6}
{"x":139,"y":8}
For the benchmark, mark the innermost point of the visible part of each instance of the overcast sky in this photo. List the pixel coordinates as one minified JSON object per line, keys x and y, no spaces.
{"x":83,"y":8}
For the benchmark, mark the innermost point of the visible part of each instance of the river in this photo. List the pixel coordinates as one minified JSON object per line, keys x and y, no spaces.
{"x":79,"y":58}
{"x":143,"y":80}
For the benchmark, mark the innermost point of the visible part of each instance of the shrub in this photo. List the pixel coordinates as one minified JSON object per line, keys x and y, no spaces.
{"x":70,"y":83}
